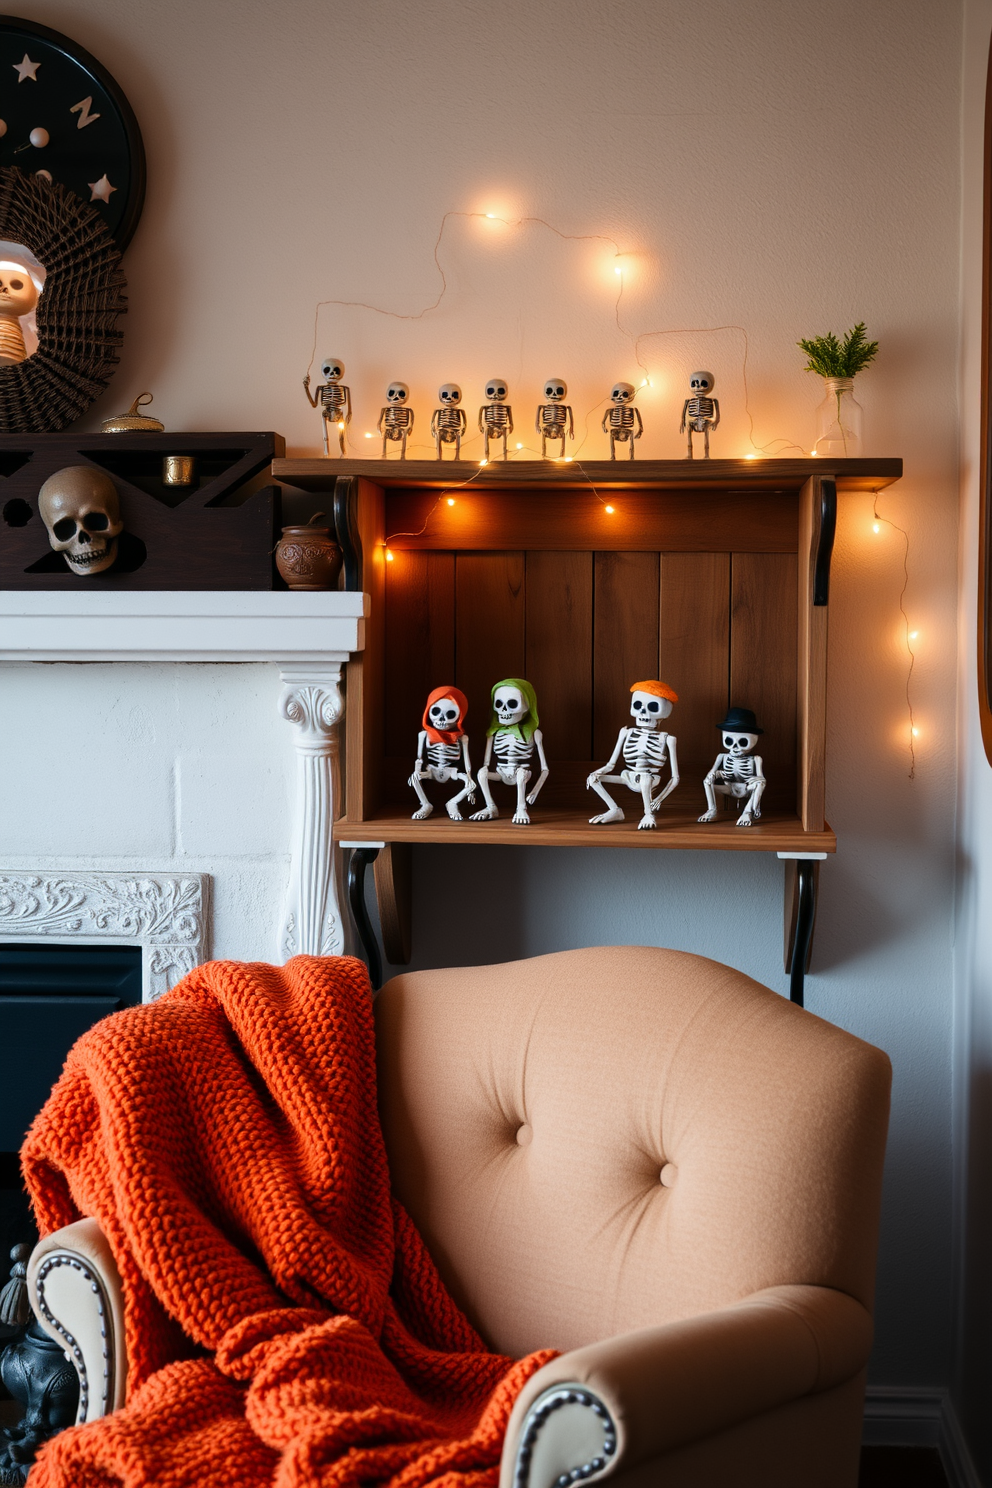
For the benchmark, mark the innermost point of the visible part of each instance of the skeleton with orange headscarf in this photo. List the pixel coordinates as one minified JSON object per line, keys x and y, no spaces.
{"x":646,"y":748}
{"x":441,"y":748}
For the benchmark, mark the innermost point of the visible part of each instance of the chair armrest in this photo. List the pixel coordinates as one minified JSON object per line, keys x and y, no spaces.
{"x":614,"y":1404}
{"x":75,"y":1292}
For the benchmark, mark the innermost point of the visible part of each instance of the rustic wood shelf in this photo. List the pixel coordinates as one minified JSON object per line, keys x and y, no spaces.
{"x":584,"y":576}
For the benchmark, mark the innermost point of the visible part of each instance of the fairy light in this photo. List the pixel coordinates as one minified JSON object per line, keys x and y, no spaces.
{"x":610,"y":510}
{"x":451,"y":500}
{"x":519,"y":446}
{"x":911,"y":635}
{"x":368,"y":436}
{"x":875,"y":527}
{"x":483,"y":462}
{"x":389,"y":555}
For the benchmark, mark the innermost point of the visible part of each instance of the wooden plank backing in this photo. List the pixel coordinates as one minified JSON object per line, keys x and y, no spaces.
{"x":559,"y":649}
{"x":763,"y":648}
{"x":489,"y":631}
{"x":812,"y":665}
{"x":625,"y":639}
{"x":420,"y":642}
{"x":695,"y":659}
{"x":364,"y":676}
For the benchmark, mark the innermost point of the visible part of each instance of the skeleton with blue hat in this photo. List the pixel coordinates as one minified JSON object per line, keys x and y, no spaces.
{"x":737,"y":771}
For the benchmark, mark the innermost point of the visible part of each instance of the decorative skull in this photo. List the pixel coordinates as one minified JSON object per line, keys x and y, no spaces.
{"x":18,"y":296}
{"x":79,"y":506}
{"x":450,"y":393}
{"x":622,"y":392}
{"x":701,"y":384}
{"x":332,"y":369}
{"x":648,"y":710}
{"x":443,"y":714}
{"x":555,"y":388}
{"x":496,"y":389}
{"x":397,"y":392}
{"x":509,"y":705}
{"x":739,"y":743}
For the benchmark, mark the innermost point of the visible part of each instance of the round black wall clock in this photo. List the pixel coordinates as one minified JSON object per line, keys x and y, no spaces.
{"x":63,"y":117}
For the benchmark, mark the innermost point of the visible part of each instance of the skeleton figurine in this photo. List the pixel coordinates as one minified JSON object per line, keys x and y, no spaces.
{"x":18,"y":296}
{"x":496,"y":416}
{"x":700,"y":412}
{"x":448,"y":423}
{"x":80,"y":508}
{"x":512,"y":737}
{"x":334,"y":399}
{"x":441,"y":748}
{"x":644,"y":747}
{"x":737,"y":771}
{"x":396,"y":418}
{"x":620,"y":418}
{"x":553,"y":416}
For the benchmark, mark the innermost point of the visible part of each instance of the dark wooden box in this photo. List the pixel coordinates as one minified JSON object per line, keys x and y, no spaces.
{"x":217,"y":534}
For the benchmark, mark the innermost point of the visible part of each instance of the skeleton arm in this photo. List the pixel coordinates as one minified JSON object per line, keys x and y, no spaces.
{"x":759,"y":774}
{"x":717,"y":419}
{"x":605,"y":769}
{"x":418,"y":764}
{"x":347,"y":397}
{"x":716,"y":770}
{"x":539,"y":741}
{"x":465,"y":759}
{"x":434,"y":423}
{"x":673,"y":760}
{"x":382,"y":415}
{"x":571,"y":425}
{"x":606,"y":417}
{"x":685,"y":405}
{"x":462,"y":420}
{"x":509,"y":419}
{"x":640,"y":426}
{"x":482,"y":419}
{"x":313,"y":401}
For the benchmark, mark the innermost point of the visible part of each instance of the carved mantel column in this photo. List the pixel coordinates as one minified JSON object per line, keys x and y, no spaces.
{"x":312,"y":923}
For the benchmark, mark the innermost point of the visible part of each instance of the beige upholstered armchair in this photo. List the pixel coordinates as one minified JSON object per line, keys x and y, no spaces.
{"x":641,"y":1158}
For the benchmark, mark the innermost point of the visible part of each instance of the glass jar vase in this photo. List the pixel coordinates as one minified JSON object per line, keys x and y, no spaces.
{"x":839,"y":420}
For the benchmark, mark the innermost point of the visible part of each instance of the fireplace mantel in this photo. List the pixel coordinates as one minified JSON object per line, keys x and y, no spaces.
{"x":308,"y":636}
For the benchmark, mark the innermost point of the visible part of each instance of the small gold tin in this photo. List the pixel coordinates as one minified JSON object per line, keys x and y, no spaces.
{"x":178,"y":470}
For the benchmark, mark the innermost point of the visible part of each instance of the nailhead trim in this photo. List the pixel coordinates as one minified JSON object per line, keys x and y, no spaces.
{"x":73,"y":1352}
{"x":536,"y":1420}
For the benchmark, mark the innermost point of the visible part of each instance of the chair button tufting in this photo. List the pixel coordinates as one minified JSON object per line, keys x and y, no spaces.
{"x":525,"y":1135}
{"x":669,"y":1173}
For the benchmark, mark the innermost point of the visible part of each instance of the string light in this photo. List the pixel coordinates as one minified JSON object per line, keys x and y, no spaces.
{"x":389,"y":555}
{"x":519,"y":446}
{"x":611,"y":510}
{"x":451,"y":500}
{"x":875,"y":527}
{"x":483,"y":462}
{"x":911,"y":635}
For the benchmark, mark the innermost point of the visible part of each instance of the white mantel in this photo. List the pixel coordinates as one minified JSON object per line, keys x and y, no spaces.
{"x":307,"y":636}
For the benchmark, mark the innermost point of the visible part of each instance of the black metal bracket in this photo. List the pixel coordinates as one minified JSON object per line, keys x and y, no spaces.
{"x":346,"y":530}
{"x":360,"y":859}
{"x":825,"y":545}
{"x":802,"y":939}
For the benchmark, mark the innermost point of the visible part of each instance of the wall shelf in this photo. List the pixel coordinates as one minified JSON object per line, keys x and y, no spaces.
{"x":713,"y":575}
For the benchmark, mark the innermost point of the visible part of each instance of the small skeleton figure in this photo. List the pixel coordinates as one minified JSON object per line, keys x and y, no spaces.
{"x":512,"y":736}
{"x":644,"y":748}
{"x":553,"y":416}
{"x":448,"y":423}
{"x":737,"y":772}
{"x":334,"y":399}
{"x":496,"y":416}
{"x":620,"y":418}
{"x":700,"y":412}
{"x":396,"y":419}
{"x":441,"y":748}
{"x":18,"y":296}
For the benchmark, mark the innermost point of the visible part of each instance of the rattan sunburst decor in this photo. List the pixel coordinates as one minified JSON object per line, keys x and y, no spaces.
{"x":83,"y":296}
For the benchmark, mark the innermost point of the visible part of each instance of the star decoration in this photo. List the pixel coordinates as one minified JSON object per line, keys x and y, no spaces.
{"x":100,"y":190}
{"x":26,"y":69}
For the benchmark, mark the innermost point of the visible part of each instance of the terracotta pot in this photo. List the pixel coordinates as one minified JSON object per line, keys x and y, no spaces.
{"x":308,"y":557}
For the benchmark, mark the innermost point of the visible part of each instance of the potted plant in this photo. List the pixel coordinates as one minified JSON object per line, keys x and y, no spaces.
{"x":839,"y":418}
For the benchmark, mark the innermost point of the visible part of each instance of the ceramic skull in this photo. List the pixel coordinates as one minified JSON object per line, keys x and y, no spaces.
{"x":332,"y":368}
{"x":555,"y":388}
{"x":444,"y":713}
{"x":79,"y":506}
{"x":18,"y":294}
{"x":622,"y":392}
{"x":397,"y":392}
{"x":496,"y":389}
{"x":450,"y":393}
{"x":647,"y":710}
{"x":510,"y":705}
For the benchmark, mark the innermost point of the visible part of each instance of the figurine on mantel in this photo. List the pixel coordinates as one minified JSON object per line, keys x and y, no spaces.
{"x":441,"y":748}
{"x":334,"y":398}
{"x":448,"y":423}
{"x":554,"y":418}
{"x":512,"y":737}
{"x":737,"y":771}
{"x":496,"y":416}
{"x":700,"y":412}
{"x":620,"y":418}
{"x":396,"y":417}
{"x":18,"y":296}
{"x":646,"y":747}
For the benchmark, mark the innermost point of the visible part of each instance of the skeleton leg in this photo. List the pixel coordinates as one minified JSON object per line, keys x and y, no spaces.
{"x":690,"y":443}
{"x":615,"y":812}
{"x":425,"y":806}
{"x":490,"y":811}
{"x":753,"y":807}
{"x":613,"y":445}
{"x":326,"y":445}
{"x":647,"y":821}
{"x":711,"y":806}
{"x":521,"y":817}
{"x":706,"y":441}
{"x":341,"y":435}
{"x":458,"y":445}
{"x":467,"y":791}
{"x":403,"y":446}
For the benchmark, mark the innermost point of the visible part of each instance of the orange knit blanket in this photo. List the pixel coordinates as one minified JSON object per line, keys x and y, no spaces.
{"x":284,"y":1322}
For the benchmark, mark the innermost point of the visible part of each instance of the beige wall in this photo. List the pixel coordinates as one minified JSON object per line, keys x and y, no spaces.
{"x":784,"y":168}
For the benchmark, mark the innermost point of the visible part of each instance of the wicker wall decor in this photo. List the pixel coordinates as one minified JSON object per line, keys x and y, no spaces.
{"x":77,"y":314}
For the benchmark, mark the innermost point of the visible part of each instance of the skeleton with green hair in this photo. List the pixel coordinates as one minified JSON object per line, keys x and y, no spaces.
{"x":511,"y":738}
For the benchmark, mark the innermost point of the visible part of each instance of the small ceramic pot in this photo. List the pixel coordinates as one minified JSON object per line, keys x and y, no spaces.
{"x":308,"y":557}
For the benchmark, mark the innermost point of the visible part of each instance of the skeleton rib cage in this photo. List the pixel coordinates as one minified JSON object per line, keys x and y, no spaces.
{"x":554,"y":419}
{"x":334,"y":398}
{"x":395,"y":420}
{"x":496,"y":415}
{"x":621,"y":417}
{"x":443,"y":756}
{"x":644,"y":750}
{"x":511,"y":752}
{"x":448,"y":423}
{"x":700,"y":408}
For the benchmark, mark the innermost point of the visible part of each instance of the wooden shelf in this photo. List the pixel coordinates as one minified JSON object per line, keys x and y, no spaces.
{"x":558,"y":828}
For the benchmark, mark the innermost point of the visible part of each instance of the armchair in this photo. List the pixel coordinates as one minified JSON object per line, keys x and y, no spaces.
{"x":639,"y":1157}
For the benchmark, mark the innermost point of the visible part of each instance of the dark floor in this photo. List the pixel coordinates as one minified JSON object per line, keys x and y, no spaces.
{"x":901,"y":1467}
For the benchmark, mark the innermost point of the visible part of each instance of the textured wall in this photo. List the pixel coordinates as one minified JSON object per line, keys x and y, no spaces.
{"x":785,"y":169}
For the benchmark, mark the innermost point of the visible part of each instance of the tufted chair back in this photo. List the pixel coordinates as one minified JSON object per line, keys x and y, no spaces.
{"x":599,"y":1140}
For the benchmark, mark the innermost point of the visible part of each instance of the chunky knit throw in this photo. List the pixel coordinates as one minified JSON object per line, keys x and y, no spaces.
{"x":284,"y":1322}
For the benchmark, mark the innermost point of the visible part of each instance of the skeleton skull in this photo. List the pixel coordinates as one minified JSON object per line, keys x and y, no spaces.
{"x":510,"y":706}
{"x":739,"y":743}
{"x":79,"y":506}
{"x":443,"y":714}
{"x":622,"y":392}
{"x":450,"y":393}
{"x":555,"y":388}
{"x":648,"y":710}
{"x":18,"y":294}
{"x":332,"y":369}
{"x":701,"y":383}
{"x":397,"y":392}
{"x":496,"y":389}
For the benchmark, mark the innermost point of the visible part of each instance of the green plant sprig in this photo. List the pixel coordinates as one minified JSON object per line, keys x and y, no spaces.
{"x":832,"y":358}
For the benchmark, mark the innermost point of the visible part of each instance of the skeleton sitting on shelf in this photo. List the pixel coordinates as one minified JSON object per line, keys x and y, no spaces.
{"x":441,"y":748}
{"x":513,"y":735}
{"x":737,"y":772}
{"x":645,"y":747}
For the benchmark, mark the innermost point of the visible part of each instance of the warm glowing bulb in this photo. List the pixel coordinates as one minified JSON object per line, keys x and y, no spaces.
{"x":916,"y":733}
{"x":913,"y":634}
{"x":751,"y":456}
{"x":340,"y":426}
{"x":369,"y":436}
{"x":875,"y":527}
{"x":483,"y":462}
{"x":491,"y":216}
{"x":812,"y":452}
{"x":618,"y":270}
{"x":389,"y":556}
{"x":611,"y":510}
{"x":519,"y":446}
{"x":451,"y":500}
{"x":644,"y":382}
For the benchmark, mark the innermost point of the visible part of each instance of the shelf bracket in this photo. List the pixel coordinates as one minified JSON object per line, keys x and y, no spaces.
{"x":362,"y":854}
{"x":394,"y":895}
{"x":825,"y":541}
{"x":801,"y":881}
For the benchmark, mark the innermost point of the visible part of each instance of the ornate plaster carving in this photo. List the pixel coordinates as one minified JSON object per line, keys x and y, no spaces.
{"x":312,"y":925}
